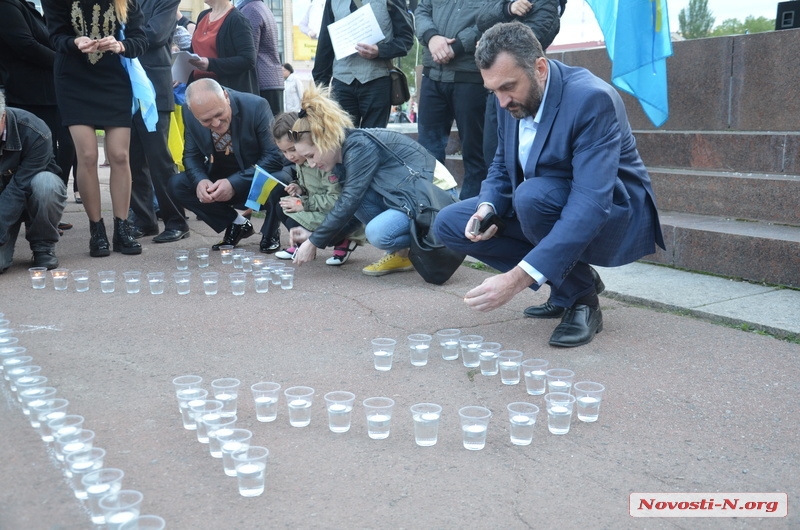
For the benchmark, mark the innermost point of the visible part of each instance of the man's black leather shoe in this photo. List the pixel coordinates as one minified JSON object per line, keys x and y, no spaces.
{"x":170,"y":236}
{"x":270,"y":244}
{"x":549,"y":310}
{"x":578,"y":326}
{"x":45,"y":258}
{"x":235,"y":233}
{"x":139,"y":232}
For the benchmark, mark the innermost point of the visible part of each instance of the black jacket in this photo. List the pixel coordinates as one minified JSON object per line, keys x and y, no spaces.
{"x":159,"y":26}
{"x":236,"y":65}
{"x":26,"y":56}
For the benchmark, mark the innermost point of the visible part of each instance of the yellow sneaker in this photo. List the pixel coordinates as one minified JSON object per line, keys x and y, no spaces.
{"x":388,"y":264}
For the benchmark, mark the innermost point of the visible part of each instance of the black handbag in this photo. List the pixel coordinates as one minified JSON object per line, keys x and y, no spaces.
{"x":422,"y":200}
{"x":400,"y":93}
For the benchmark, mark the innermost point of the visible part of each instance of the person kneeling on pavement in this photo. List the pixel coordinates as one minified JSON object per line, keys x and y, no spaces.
{"x":226,"y":134}
{"x":31,"y":190}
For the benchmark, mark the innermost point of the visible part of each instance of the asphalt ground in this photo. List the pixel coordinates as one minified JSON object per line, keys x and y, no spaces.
{"x":691,"y":405}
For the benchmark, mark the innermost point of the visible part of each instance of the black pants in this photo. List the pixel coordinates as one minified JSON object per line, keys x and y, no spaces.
{"x":368,"y":104}
{"x":151,"y":168}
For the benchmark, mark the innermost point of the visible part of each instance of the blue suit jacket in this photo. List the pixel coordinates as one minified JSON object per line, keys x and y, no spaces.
{"x":583,"y":136}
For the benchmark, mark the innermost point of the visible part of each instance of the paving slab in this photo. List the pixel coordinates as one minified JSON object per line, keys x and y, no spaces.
{"x":690,"y":406}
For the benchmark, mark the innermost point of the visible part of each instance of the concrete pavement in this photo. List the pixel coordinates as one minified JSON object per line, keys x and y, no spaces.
{"x":690,"y":406}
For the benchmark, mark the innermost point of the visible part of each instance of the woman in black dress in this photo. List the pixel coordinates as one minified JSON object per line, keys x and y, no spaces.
{"x":94,"y":92}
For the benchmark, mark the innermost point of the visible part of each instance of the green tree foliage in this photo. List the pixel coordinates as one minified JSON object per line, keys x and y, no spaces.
{"x":732,"y":26}
{"x":697,"y":22}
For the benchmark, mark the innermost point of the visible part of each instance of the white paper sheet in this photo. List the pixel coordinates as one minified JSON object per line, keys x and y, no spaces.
{"x":181,"y":67}
{"x":360,"y":26}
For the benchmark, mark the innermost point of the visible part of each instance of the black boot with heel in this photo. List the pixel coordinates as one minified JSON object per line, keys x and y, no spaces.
{"x":123,"y":239}
{"x":98,"y":243}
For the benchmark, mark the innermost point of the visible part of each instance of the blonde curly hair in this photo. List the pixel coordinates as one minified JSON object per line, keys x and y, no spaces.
{"x":322,"y":118}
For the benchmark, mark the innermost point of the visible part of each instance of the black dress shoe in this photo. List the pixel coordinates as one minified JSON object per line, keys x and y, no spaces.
{"x":169,"y":236}
{"x":578,"y":326}
{"x":64,"y":226}
{"x":269,"y":245}
{"x":235,"y":233}
{"x":45,"y":258}
{"x":549,"y":310}
{"x":138,"y":232}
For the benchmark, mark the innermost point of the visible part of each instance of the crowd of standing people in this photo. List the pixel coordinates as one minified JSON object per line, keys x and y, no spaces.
{"x":84,"y":65}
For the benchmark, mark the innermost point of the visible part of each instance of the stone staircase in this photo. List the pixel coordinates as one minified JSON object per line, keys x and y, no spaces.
{"x":726,"y":165}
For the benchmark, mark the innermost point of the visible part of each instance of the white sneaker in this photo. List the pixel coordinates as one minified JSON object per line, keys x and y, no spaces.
{"x":341,"y":252}
{"x":286,"y":253}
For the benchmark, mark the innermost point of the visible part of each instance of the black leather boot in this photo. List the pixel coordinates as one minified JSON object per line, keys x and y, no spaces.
{"x":123,"y":239}
{"x":98,"y":243}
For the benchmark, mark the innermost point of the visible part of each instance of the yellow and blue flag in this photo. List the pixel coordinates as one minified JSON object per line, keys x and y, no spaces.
{"x":262,"y":185}
{"x":638,"y":43}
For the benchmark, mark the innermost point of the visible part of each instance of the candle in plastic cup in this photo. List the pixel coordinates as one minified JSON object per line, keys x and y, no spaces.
{"x":340,"y":407}
{"x":299,"y":400}
{"x":470,"y":353}
{"x":559,"y":411}
{"x":382,"y":352}
{"x":287,"y":278}
{"x":448,"y":343}
{"x":182,"y":259}
{"x":210,"y":282}
{"x":145,"y":522}
{"x":419,"y":345}
{"x":226,"y":254}
{"x":132,"y":281}
{"x":98,"y":484}
{"x":487,"y":357}
{"x":156,"y":281}
{"x":202,"y":409}
{"x":80,"y":279}
{"x":588,"y":396}
{"x":230,"y":442}
{"x":201,"y":255}
{"x":217,"y":425}
{"x":265,"y":395}
{"x":379,"y":416}
{"x":79,"y":464}
{"x":509,"y":361}
{"x":426,"y":423}
{"x":107,"y":281}
{"x":261,"y":278}
{"x":522,"y":417}
{"x":182,"y":282}
{"x":535,"y":373}
{"x":474,"y":424}
{"x":60,"y":279}
{"x":38,"y":277}
{"x":226,"y":389}
{"x":559,"y":380}
{"x":120,"y":507}
{"x":238,"y":281}
{"x":251,"y":470}
{"x":185,"y":397}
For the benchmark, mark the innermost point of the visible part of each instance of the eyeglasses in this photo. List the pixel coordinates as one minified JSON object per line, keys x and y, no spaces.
{"x":295,"y":135}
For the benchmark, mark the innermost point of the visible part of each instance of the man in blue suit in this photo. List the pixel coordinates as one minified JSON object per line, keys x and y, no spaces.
{"x":567,"y":185}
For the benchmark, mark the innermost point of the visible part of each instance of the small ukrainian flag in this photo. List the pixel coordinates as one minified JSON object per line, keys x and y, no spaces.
{"x":262,"y":186}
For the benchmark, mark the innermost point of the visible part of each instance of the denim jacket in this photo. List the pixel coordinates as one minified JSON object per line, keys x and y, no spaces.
{"x":27,"y":151}
{"x":366,"y":164}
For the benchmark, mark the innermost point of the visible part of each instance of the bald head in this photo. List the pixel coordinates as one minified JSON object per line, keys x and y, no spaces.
{"x":210,"y":104}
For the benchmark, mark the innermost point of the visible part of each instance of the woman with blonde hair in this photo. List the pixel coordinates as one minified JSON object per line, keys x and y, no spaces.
{"x":94,"y":91}
{"x":365,"y":162}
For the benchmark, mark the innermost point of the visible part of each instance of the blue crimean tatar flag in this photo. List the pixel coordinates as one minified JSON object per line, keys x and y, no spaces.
{"x":638,"y":43}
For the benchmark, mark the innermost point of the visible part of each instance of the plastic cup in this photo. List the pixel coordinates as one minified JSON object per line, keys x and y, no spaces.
{"x":559,"y":380}
{"x":474,"y":424}
{"x":588,"y":396}
{"x":488,"y":357}
{"x":9,"y":352}
{"x":200,"y":411}
{"x":66,"y":424}
{"x":60,"y":279}
{"x":210,"y":282}
{"x":379,"y":416}
{"x":419,"y":345}
{"x":38,"y":277}
{"x":80,"y":279}
{"x":42,"y":413}
{"x":226,"y":389}
{"x":10,"y":363}
{"x":182,"y":282}
{"x":275,"y":270}
{"x":107,"y":281}
{"x":522,"y":417}
{"x":448,"y":343}
{"x":67,"y":444}
{"x":509,"y":361}
{"x":156,"y":281}
{"x":251,"y":470}
{"x":559,"y":411}
{"x":226,"y":254}
{"x":79,"y":463}
{"x":340,"y":407}
{"x":470,"y":353}
{"x":182,"y":259}
{"x":98,"y":484}
{"x":133,"y":281}
{"x":201,"y":256}
{"x":28,"y":381}
{"x":35,"y":396}
{"x":217,"y":425}
{"x":237,"y":258}
{"x":231,"y":441}
{"x":186,"y":397}
{"x":238,"y":281}
{"x":261,"y":278}
{"x":120,"y":507}
{"x":287,"y":278}
{"x":247,"y":261}
{"x":266,"y":395}
{"x":383,"y":351}
{"x":535,"y":373}
{"x":299,"y":400}
{"x":426,"y":423}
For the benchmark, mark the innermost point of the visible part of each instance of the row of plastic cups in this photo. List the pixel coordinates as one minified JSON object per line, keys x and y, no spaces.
{"x":238,"y":257}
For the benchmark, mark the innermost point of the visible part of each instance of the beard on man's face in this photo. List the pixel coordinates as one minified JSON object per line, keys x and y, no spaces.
{"x":522,"y":109}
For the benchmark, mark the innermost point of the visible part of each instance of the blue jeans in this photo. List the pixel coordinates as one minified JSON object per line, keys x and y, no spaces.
{"x":386,"y":229}
{"x":440,"y":103}
{"x":43,"y":208}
